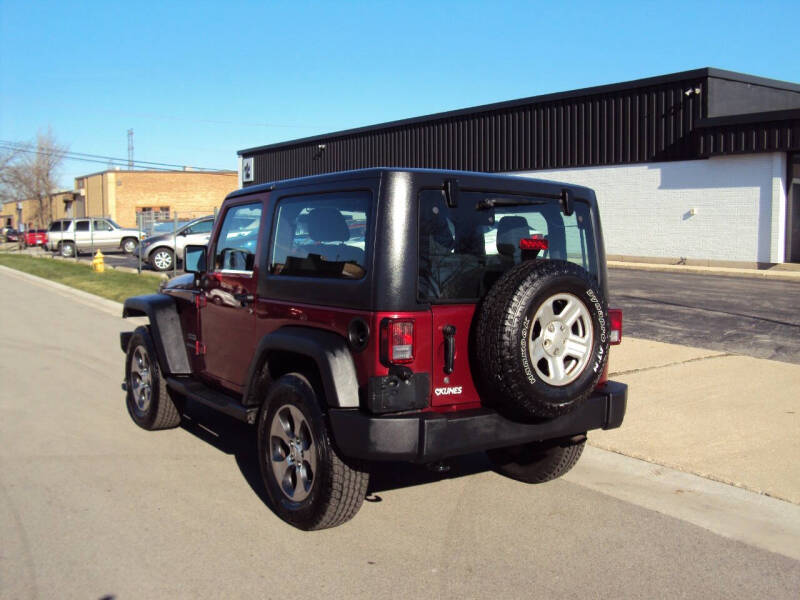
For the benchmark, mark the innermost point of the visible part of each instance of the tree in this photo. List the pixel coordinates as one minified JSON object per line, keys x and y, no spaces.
{"x":29,"y":171}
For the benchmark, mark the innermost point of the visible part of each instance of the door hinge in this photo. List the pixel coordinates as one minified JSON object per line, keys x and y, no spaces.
{"x":199,"y":348}
{"x":200,"y":300}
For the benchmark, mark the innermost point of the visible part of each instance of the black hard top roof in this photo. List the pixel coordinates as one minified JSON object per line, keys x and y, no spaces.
{"x":471,"y":178}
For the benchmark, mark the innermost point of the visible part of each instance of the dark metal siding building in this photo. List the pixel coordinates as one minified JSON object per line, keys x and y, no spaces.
{"x":673,"y":117}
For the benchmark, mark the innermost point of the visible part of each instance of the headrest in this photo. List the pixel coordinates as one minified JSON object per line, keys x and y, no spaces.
{"x":510,"y":230}
{"x":326,"y":224}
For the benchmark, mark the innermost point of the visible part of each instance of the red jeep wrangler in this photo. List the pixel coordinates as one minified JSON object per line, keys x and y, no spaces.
{"x":387,"y":314}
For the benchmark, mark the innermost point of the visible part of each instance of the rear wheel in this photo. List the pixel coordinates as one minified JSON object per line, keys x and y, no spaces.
{"x":149,"y":401}
{"x":67,"y":249}
{"x":162,"y":259}
{"x":310,"y":484}
{"x":538,"y":462}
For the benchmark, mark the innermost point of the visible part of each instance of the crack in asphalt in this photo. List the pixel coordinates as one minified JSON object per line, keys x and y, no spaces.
{"x":673,"y":364}
{"x":711,"y":310}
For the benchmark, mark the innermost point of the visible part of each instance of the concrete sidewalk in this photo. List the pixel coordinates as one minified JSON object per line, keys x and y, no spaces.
{"x":731,"y":418}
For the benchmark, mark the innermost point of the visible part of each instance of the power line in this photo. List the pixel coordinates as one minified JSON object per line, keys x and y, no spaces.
{"x":114,"y":161}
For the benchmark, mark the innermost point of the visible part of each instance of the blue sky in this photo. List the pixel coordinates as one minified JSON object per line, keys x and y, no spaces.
{"x":199,"y":81}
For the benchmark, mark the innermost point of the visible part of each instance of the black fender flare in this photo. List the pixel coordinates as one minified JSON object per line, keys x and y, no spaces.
{"x":328,"y":350}
{"x":165,"y":328}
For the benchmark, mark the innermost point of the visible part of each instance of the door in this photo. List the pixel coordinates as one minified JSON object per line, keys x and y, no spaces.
{"x":104,"y":235}
{"x":793,"y":223}
{"x":83,"y":235}
{"x":227,"y":322}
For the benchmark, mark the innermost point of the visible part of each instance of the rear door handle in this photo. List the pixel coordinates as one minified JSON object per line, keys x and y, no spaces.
{"x":449,"y":332}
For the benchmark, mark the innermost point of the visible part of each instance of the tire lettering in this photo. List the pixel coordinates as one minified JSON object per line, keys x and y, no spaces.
{"x":599,"y":308}
{"x":524,"y":350}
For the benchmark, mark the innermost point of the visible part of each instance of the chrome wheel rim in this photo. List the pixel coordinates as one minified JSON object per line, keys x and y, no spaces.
{"x":561,"y":339}
{"x":162,"y":260}
{"x":292,"y":453}
{"x":66,"y":250}
{"x":129,"y":246}
{"x":141,"y":381}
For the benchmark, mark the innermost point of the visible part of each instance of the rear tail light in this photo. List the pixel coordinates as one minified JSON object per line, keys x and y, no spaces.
{"x":615,"y":322}
{"x":397,"y":341}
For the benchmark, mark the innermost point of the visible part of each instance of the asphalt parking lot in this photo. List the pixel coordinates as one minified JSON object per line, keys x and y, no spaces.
{"x":755,"y":317}
{"x":92,"y":506}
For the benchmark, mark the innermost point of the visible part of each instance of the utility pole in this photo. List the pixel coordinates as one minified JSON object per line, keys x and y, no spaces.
{"x":130,"y":149}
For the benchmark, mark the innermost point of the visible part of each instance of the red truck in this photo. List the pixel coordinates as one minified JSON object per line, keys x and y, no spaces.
{"x":35,"y":237}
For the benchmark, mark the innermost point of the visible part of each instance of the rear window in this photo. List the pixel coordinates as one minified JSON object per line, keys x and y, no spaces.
{"x":56,"y":225}
{"x":464,"y":250}
{"x":322,"y":236}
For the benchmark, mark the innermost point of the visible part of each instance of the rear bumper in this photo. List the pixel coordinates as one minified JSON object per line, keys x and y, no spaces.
{"x":428,"y":437}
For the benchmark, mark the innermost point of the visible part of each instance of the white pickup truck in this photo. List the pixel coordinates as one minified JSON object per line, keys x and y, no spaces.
{"x":68,"y":236}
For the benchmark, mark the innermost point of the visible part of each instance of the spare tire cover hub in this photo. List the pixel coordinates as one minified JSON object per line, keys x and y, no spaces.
{"x":561,"y":337}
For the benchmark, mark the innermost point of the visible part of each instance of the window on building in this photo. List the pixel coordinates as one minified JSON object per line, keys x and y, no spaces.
{"x":154,"y":213}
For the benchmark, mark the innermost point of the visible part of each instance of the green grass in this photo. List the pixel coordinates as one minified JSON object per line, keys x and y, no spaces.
{"x":114,"y":285}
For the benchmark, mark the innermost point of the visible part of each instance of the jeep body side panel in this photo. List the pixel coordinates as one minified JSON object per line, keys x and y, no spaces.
{"x":328,"y":350}
{"x":165,"y":326}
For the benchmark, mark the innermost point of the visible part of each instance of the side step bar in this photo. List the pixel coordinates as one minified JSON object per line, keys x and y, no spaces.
{"x":213,"y":399}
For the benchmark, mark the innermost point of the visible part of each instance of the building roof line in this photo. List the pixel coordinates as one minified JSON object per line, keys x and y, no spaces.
{"x":162,"y":171}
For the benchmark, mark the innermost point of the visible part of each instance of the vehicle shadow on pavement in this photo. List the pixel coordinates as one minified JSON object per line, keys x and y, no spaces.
{"x":229,"y":436}
{"x":239,"y":440}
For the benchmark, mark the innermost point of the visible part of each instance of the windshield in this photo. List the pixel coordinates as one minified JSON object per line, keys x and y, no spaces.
{"x":464,"y":250}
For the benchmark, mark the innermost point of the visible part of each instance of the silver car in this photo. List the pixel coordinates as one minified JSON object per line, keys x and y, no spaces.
{"x":71,"y":236}
{"x":161,"y":250}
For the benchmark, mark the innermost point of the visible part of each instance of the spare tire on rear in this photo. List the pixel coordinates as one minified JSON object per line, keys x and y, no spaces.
{"x":541,"y":339}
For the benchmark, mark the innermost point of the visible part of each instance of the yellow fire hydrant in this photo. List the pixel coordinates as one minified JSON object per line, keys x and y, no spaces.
{"x":97,"y":262}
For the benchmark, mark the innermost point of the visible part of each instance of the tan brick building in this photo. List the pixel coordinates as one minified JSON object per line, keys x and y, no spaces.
{"x":123,"y":195}
{"x":158,"y":195}
{"x":56,"y":206}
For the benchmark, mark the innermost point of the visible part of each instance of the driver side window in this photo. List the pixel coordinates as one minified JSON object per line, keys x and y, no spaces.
{"x":236,"y":246}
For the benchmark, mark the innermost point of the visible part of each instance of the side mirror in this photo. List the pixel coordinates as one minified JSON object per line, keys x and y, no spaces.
{"x":194,"y":259}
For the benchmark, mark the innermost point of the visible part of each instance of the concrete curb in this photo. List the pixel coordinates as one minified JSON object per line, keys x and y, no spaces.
{"x":48,"y":256}
{"x":776,"y":275}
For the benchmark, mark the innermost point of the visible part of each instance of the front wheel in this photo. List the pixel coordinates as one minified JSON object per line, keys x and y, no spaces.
{"x":162,"y":259}
{"x":537,"y":462}
{"x":129,"y":245}
{"x":149,"y":401}
{"x":310,"y":484}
